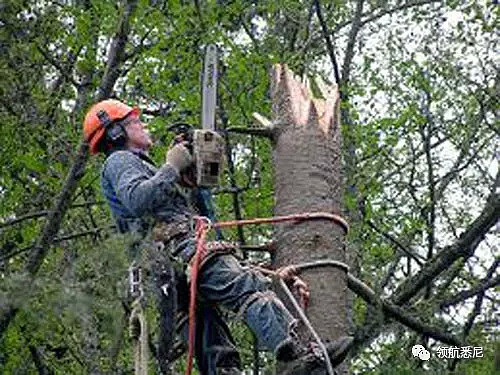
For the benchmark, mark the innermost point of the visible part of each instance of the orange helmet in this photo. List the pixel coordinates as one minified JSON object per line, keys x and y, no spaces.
{"x":94,"y":129}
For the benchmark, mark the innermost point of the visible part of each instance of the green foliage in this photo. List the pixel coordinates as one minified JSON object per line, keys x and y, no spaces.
{"x":420,"y":75}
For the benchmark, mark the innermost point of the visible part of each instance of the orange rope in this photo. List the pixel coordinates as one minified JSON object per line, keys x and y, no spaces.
{"x":201,"y":231}
{"x":294,"y":217}
{"x":203,"y":225}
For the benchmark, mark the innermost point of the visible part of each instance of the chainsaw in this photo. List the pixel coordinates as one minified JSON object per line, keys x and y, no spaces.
{"x":206,"y":144}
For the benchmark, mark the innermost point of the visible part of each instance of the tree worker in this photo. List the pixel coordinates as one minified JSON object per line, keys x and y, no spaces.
{"x":138,"y":194}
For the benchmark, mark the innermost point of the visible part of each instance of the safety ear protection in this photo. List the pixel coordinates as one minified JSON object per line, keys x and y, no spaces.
{"x":115,"y":133}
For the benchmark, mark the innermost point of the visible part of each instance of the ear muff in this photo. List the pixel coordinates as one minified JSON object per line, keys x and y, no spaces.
{"x":115,"y":132}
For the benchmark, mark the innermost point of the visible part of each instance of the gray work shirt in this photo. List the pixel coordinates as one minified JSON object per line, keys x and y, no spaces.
{"x":136,"y":191}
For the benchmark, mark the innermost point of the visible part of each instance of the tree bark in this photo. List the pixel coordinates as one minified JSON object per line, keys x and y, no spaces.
{"x":307,"y":178}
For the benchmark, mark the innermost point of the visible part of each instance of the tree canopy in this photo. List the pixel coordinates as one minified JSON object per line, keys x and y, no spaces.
{"x":419,"y":85}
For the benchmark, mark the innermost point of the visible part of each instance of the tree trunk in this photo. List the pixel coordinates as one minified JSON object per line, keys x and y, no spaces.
{"x":307,"y":161}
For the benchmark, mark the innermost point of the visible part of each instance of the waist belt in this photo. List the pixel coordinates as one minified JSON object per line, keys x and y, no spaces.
{"x":179,"y":238}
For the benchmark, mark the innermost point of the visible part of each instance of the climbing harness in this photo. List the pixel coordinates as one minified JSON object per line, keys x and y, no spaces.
{"x":203,"y":225}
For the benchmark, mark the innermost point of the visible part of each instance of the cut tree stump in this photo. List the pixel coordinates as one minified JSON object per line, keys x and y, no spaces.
{"x":307,"y":178}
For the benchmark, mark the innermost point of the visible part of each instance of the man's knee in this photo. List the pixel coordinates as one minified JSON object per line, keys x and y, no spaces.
{"x":224,"y":281}
{"x":259,"y":297}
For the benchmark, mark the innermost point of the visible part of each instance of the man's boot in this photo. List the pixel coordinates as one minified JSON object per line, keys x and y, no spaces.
{"x":312,"y":358}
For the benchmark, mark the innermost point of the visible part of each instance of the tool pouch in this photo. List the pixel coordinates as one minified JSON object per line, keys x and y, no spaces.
{"x":177,"y":237}
{"x":164,"y":232}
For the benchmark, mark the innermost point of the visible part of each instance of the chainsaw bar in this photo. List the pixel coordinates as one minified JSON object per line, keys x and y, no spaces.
{"x":209,"y":88}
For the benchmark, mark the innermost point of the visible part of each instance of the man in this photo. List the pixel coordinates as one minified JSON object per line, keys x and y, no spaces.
{"x":138,"y":193}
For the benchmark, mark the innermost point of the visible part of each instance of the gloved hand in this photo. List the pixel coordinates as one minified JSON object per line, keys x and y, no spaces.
{"x":179,"y":157}
{"x":289,"y":274}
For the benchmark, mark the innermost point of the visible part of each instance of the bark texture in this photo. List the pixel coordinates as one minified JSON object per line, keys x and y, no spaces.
{"x":307,"y":161}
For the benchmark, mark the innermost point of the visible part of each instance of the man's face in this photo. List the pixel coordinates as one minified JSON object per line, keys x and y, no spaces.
{"x":137,"y":134}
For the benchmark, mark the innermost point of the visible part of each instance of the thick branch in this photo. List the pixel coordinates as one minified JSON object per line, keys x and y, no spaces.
{"x":462,"y":248}
{"x":117,"y":51}
{"x":55,"y":216}
{"x":399,"y":314}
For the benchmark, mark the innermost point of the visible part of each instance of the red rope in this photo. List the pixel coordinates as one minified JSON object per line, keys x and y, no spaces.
{"x":202,"y":227}
{"x":294,"y":217}
{"x":201,"y":232}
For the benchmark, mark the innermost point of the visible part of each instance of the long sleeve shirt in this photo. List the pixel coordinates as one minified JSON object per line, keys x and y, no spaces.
{"x":136,"y":190}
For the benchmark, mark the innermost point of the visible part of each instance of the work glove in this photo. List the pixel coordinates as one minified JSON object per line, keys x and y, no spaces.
{"x":289,"y":274}
{"x":179,"y":157}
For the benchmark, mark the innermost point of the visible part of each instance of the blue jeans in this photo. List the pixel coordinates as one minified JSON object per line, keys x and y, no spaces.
{"x":224,"y":282}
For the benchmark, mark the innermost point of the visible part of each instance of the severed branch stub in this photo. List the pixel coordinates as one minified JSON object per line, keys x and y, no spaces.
{"x":264,"y":127}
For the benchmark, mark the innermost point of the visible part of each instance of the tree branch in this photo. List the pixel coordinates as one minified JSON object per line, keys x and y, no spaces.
{"x":482,"y":286}
{"x":250,"y":34}
{"x":385,"y":12}
{"x":462,"y":248}
{"x":258,"y":132}
{"x":351,"y":41}
{"x":117,"y":51}
{"x":59,"y":239}
{"x":390,"y":273}
{"x":229,"y":190}
{"x":38,"y":214}
{"x":417,"y":258}
{"x":329,"y":44}
{"x":399,"y":314}
{"x":409,"y":4}
{"x":58,"y":66}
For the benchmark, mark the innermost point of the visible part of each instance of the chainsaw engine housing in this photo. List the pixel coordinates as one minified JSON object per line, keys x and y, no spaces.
{"x":209,"y":154}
